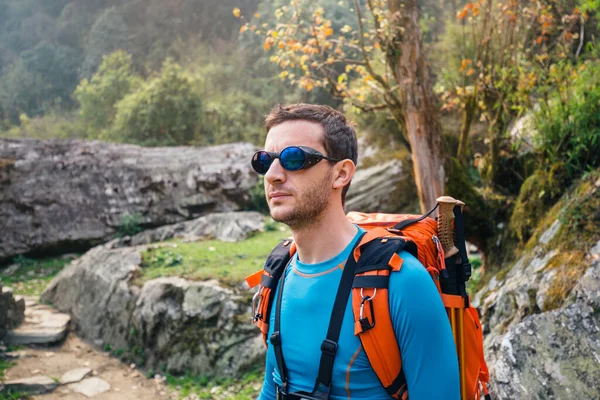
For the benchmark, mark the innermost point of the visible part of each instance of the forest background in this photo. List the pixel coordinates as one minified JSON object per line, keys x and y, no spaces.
{"x":505,"y":94}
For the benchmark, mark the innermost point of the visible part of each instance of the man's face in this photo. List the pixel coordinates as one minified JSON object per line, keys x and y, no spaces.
{"x":297,"y":198}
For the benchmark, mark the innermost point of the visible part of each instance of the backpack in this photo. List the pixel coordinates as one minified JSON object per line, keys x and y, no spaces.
{"x":438,"y":245}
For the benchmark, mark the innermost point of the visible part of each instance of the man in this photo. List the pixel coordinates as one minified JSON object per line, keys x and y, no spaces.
{"x":308,"y":163}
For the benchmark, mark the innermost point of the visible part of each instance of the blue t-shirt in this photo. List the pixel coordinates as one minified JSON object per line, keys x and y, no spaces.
{"x":420,"y":322}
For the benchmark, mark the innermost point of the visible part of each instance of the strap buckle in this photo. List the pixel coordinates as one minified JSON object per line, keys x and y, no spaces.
{"x":364,"y":322}
{"x":256,"y":300}
{"x":329,"y":347}
{"x":275,"y":338}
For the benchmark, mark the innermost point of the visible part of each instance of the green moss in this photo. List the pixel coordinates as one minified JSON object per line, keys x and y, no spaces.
{"x":533,"y":307}
{"x":570,"y":266}
{"x":230,"y":263}
{"x":531,"y":206}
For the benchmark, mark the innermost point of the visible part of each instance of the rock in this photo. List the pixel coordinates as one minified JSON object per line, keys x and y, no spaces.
{"x":12,"y":311}
{"x":196,"y":326}
{"x":62,"y":195}
{"x":95,"y":291}
{"x":543,"y":355}
{"x":560,"y":360}
{"x":90,"y":387}
{"x":227,"y":227}
{"x":384,"y":188}
{"x":188,"y":326}
{"x":523,"y":132}
{"x":74,"y":375}
{"x":38,"y":384}
{"x":42,"y":325}
{"x":11,"y":269}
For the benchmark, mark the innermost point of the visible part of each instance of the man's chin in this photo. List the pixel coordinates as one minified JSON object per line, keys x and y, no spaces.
{"x":280,"y":215}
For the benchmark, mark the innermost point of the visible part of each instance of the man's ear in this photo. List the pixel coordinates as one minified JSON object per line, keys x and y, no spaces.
{"x":344,"y":171}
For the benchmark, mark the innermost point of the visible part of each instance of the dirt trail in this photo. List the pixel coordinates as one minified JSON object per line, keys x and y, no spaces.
{"x":126,"y":383}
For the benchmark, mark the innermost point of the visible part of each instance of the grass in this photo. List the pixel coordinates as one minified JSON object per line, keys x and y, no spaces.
{"x":6,"y":394}
{"x":33,"y":275}
{"x":4,"y":365}
{"x":244,"y":388}
{"x":228,"y":262}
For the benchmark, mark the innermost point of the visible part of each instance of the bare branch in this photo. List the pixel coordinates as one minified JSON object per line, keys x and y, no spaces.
{"x":361,"y":32}
{"x":366,"y":108}
{"x":376,"y":23}
{"x":580,"y":38}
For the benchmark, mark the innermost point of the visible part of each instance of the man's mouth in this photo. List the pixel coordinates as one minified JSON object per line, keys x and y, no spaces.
{"x":276,"y":195}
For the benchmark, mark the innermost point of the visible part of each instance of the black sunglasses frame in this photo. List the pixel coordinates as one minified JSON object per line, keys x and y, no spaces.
{"x":311,"y":158}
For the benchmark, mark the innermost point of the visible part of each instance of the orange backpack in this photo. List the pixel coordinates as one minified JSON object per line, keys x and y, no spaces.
{"x":374,"y":257}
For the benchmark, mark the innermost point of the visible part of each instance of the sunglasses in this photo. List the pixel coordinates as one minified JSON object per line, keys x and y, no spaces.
{"x":292,"y":158}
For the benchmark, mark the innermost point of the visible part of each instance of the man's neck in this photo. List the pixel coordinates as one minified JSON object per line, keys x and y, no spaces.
{"x":325,"y":239}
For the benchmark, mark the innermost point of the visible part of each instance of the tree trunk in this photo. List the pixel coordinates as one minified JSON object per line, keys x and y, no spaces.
{"x":405,"y":57}
{"x":467,"y":119}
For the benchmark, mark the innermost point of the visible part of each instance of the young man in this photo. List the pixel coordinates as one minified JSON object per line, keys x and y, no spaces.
{"x":309,"y":198}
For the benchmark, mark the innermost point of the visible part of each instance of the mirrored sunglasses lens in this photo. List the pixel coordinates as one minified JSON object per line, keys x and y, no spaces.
{"x":292,"y":158}
{"x":261,"y":162}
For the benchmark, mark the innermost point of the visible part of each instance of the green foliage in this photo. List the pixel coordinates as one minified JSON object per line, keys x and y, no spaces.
{"x":163,"y":111}
{"x":130,"y":224}
{"x":245,"y":388}
{"x":33,"y":275}
{"x":258,"y":201}
{"x":52,"y":125}
{"x":568,"y":122}
{"x":108,"y":34}
{"x":42,"y":77}
{"x":98,"y":96}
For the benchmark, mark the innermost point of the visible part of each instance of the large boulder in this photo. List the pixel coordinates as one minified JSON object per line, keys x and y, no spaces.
{"x":226,"y":227}
{"x":12,"y":311}
{"x":541,"y":315}
{"x":386,"y":187}
{"x":198,"y":327}
{"x":555,"y":354}
{"x":62,"y":195}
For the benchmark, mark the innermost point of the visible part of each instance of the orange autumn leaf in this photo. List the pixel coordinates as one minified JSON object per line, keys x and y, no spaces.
{"x":465,"y":63}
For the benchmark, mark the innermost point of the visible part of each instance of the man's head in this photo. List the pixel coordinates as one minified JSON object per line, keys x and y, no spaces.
{"x":301,"y":196}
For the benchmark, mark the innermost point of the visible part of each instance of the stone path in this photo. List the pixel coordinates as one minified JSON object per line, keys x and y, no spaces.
{"x":71,"y":368}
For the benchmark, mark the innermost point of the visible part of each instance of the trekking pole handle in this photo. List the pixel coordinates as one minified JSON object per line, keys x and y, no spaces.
{"x":445,"y":219}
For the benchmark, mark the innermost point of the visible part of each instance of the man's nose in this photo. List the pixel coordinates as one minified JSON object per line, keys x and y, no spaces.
{"x":276,"y":173}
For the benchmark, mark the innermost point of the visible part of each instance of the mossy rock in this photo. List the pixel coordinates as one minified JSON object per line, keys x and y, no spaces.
{"x":538,"y":194}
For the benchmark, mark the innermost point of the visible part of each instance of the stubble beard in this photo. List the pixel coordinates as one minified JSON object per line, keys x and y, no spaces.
{"x":310,"y":206}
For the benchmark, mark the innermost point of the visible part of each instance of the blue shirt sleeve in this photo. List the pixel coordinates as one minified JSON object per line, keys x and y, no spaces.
{"x":424,"y":334}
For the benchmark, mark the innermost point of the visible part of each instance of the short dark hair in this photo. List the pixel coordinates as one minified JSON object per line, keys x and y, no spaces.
{"x":340,"y":137}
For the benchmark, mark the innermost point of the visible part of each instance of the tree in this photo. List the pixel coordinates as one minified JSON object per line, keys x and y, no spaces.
{"x":108,"y":34}
{"x":502,"y":53}
{"x":163,"y":111}
{"x":43,"y":76}
{"x":384,"y":54}
{"x":98,"y":96}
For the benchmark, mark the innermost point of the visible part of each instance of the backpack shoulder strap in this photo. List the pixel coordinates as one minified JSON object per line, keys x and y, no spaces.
{"x":269,"y":277}
{"x":370,"y":305}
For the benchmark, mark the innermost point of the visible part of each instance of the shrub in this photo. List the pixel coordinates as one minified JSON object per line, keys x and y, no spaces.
{"x":98,"y":96}
{"x":568,"y":122}
{"x":163,"y":111}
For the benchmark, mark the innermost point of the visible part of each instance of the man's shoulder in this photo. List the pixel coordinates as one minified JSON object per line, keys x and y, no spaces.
{"x":412,"y":274}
